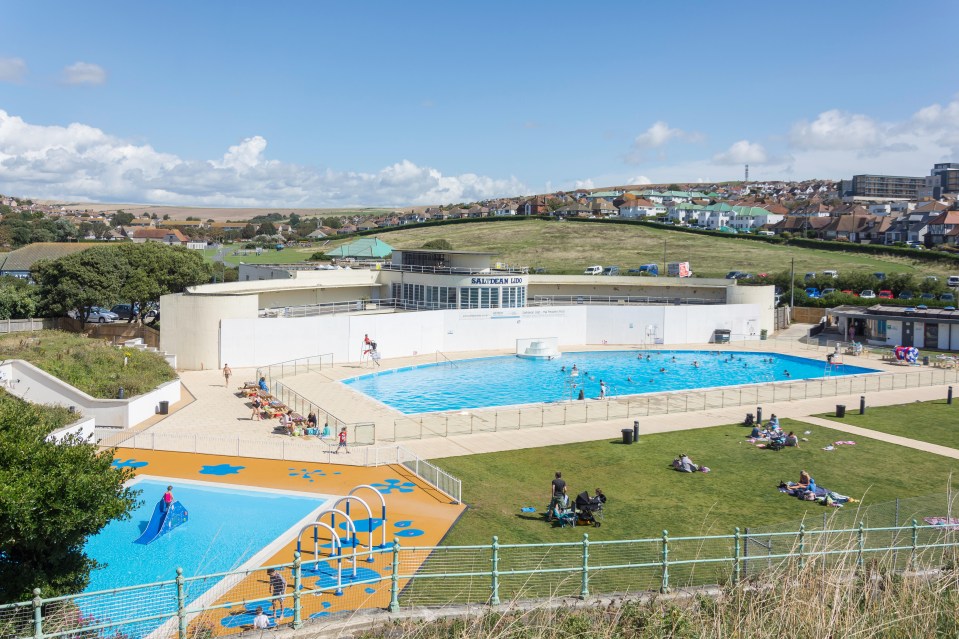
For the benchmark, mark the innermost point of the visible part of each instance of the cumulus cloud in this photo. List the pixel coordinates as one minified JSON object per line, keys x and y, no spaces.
{"x":584,"y":184}
{"x":837,"y":129}
{"x":639,"y":179}
{"x":84,"y":73}
{"x":742,"y":152}
{"x":83,"y":163}
{"x":655,"y":138}
{"x":12,"y":69}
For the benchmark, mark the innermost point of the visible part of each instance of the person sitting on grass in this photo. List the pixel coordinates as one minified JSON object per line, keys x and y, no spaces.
{"x":757,"y":432}
{"x":792,"y":440}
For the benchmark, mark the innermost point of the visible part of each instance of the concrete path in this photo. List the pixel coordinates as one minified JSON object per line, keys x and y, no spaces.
{"x":886,"y":437}
{"x":437,"y":447}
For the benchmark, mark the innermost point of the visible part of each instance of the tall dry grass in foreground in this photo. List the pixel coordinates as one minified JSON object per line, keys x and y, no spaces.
{"x":813,"y":601}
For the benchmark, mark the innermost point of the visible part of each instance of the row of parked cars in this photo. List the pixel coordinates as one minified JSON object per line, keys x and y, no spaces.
{"x":815,"y":293}
{"x":101,"y":315}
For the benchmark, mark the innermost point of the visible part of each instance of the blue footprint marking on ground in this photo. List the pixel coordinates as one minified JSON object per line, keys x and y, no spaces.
{"x":369,"y":590}
{"x":129,"y":463}
{"x":245,"y":617}
{"x":221,"y":469}
{"x":409,"y":532}
{"x":306,"y":474}
{"x":364,"y":525}
{"x":387,"y":486}
{"x":403,"y":524}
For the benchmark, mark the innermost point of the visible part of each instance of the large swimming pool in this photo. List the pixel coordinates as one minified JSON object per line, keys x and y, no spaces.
{"x":510,"y":380}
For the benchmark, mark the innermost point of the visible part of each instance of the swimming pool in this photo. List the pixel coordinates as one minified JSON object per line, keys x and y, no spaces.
{"x":227,"y":527}
{"x":509,"y":380}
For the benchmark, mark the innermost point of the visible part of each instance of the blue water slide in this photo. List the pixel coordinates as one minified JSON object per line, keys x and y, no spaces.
{"x":163,"y":521}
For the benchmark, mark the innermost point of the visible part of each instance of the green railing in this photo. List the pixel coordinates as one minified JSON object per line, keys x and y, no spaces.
{"x":396,"y":576}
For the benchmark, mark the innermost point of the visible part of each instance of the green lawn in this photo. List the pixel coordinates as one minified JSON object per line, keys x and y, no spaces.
{"x":647,"y":496}
{"x":94,"y":366}
{"x":565,"y":247}
{"x":935,"y":422}
{"x":286,"y":256}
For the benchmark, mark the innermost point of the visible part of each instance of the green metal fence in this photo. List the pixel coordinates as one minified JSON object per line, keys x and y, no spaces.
{"x":397,"y":576}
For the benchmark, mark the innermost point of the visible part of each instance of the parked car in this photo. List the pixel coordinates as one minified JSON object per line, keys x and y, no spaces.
{"x":651,"y":270}
{"x":886,"y":295}
{"x":953,"y":281}
{"x":611,"y":270}
{"x":809,"y":276}
{"x":593,"y":270}
{"x":828,"y":291}
{"x":947,"y":297}
{"x":97,"y":314}
{"x":905,"y":295}
{"x":813,"y":293}
{"x":868,"y":294}
{"x":927,"y":296}
{"x":831,"y":273}
{"x":879,"y":276}
{"x":736,"y":275}
{"x":124,"y":311}
{"x":847,"y":291}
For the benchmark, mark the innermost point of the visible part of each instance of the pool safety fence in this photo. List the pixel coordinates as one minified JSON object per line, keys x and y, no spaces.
{"x":297,"y":366}
{"x":339,"y":581}
{"x":428,"y":472}
{"x":626,"y":408}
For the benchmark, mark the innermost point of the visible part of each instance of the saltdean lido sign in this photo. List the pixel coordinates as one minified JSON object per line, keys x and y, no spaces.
{"x":488,"y":281}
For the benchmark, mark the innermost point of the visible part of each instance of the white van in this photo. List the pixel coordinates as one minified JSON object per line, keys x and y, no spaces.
{"x":593,"y":270}
{"x":953,"y":281}
{"x":832,"y":274}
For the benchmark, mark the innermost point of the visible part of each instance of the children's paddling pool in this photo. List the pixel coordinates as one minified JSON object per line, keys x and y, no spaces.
{"x":503,"y":381}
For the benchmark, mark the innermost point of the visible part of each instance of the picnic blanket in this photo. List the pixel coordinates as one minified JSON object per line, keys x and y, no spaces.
{"x":945,"y":522}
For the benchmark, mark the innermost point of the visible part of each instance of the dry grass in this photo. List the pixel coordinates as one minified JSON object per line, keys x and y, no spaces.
{"x":568,"y":247}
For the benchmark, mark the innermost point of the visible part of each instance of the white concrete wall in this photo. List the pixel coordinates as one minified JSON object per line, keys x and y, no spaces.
{"x":258,"y":342}
{"x":82,"y":427}
{"x":191,"y":325}
{"x":28,"y":382}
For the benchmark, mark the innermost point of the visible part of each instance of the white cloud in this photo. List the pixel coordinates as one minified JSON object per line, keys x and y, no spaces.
{"x":83,"y":163}
{"x":584,"y":184}
{"x":639,"y":179}
{"x":656,"y":136}
{"x":12,"y":69}
{"x":742,"y":152}
{"x":837,"y":129}
{"x":84,"y":73}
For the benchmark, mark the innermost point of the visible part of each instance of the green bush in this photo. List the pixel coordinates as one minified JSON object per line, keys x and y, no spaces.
{"x":94,"y":366}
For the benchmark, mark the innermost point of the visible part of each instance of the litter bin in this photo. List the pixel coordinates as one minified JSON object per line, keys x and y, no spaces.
{"x":627,"y":435}
{"x":840,"y":410}
{"x":925,"y":360}
{"x":164,"y":408}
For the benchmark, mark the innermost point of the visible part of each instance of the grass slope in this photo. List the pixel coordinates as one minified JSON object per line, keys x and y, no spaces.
{"x":94,"y":366}
{"x":646,"y":496}
{"x":568,"y":248}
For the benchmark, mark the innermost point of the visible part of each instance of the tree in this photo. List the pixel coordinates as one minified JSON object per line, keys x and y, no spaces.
{"x":53,"y":496}
{"x":674,"y":187}
{"x":166,"y":216}
{"x":333,"y":222}
{"x":18,"y":299}
{"x":295,"y":220}
{"x":248,"y":232}
{"x":266,"y":228}
{"x":438,"y":245}
{"x":121,"y":218}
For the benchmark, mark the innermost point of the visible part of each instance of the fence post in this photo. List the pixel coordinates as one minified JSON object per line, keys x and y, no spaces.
{"x":736,"y":556}
{"x":37,"y":613}
{"x":860,"y":544}
{"x":180,"y":604}
{"x":584,"y":588}
{"x":915,"y":542}
{"x":664,"y":586}
{"x":395,"y":578}
{"x":494,"y":573}
{"x":297,"y":587}
{"x":802,"y":546}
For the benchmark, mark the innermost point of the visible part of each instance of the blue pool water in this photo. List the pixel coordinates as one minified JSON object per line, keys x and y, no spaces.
{"x":509,"y":380}
{"x":227,"y":526}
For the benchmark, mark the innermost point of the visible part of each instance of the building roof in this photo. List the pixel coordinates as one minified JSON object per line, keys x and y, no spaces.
{"x":363,"y":247}
{"x":899,"y":312}
{"x":25,"y":257}
{"x":158,"y":234}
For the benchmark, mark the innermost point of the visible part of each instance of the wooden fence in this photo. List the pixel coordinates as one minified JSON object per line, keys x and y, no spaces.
{"x":116,"y":332}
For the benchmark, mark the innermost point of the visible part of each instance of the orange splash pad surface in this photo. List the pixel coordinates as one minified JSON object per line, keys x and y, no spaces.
{"x":417,"y":514}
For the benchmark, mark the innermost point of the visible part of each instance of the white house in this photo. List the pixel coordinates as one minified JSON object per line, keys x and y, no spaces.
{"x":641,"y":208}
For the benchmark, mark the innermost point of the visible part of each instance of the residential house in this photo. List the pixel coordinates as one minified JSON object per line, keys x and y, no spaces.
{"x":641,"y":208}
{"x":603,"y":208}
{"x":941,"y":226}
{"x":533,"y":206}
{"x":573,"y":209}
{"x":18,"y":263}
{"x":172,"y":237}
{"x":503,"y":208}
{"x":748,"y":218}
{"x":609,"y":196}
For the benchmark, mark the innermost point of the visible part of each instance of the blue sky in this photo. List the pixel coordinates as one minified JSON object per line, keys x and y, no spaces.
{"x":335,"y":104}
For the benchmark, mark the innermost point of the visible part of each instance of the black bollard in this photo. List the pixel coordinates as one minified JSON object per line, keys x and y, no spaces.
{"x":759,"y":414}
{"x":949,"y":396}
{"x":120,"y":394}
{"x":582,"y":395}
{"x":862,"y":404}
{"x":636,"y":430}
